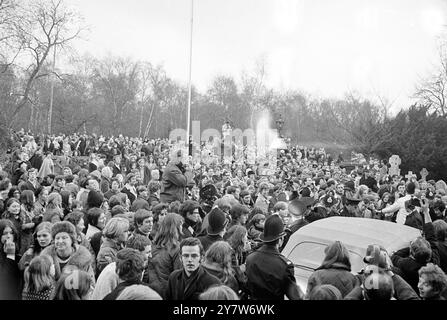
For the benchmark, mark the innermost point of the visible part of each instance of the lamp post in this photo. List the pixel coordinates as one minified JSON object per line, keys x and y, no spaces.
{"x":279,"y":124}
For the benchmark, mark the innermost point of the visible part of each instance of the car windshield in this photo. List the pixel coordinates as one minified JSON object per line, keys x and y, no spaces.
{"x":311,"y":255}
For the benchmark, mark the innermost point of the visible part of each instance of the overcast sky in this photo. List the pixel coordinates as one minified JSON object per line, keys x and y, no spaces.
{"x":322,"y":47}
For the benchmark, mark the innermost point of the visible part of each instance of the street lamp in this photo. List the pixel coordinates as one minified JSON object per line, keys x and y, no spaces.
{"x":279,"y":124}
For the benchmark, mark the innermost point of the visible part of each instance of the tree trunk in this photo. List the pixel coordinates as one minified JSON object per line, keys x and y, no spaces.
{"x":149,"y":122}
{"x":29,"y":125}
{"x":141,"y":120}
{"x":50,"y":111}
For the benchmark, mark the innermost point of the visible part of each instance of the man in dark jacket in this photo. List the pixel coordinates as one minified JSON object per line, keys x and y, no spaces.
{"x":189,"y":282}
{"x":410,"y":260}
{"x":31,"y":183}
{"x":190,"y":211}
{"x":116,"y":164}
{"x":217,"y":222}
{"x":369,"y":181}
{"x":270,"y":274}
{"x":378,"y":261}
{"x":173,"y":180}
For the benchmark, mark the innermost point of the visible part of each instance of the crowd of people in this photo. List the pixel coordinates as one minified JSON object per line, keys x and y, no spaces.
{"x":117,"y":218}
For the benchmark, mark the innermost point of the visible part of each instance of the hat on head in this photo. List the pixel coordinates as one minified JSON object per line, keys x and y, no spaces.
{"x":64,"y":226}
{"x":297,"y":207}
{"x":429,"y":194}
{"x":273,"y":229}
{"x":217,"y":221}
{"x":244,"y":193}
{"x":329,"y":200}
{"x":305,"y":192}
{"x":208,"y":192}
{"x":349,"y":185}
{"x":352,"y":200}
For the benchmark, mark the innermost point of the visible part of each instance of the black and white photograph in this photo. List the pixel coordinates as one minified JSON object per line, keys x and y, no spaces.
{"x":223,"y":158}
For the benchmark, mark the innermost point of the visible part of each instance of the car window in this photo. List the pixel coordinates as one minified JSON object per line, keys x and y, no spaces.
{"x":308,"y":254}
{"x":311,"y":255}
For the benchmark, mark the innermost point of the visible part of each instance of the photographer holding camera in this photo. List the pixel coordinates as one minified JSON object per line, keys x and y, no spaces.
{"x":174,"y":180}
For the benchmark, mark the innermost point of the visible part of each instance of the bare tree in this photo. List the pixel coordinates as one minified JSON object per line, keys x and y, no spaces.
{"x":42,"y":26}
{"x":153,"y":79}
{"x":9,"y":46}
{"x":432,"y":91}
{"x":253,"y":89}
{"x":117,"y":81}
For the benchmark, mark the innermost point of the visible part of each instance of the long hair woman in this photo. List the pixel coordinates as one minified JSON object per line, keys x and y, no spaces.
{"x":67,"y":202}
{"x":237,"y":237}
{"x":81,"y":291}
{"x":218,"y":263}
{"x":39,"y":279}
{"x":77,"y":219}
{"x":159,"y":211}
{"x":41,"y":203}
{"x":42,"y":239}
{"x":10,"y":275}
{"x":27,"y":200}
{"x":334,"y":270}
{"x":54,"y":212}
{"x":165,"y":252}
{"x":115,"y":235}
{"x":13,"y":212}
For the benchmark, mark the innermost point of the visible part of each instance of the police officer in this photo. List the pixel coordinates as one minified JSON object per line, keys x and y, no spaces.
{"x":351,"y":207}
{"x":270,"y":275}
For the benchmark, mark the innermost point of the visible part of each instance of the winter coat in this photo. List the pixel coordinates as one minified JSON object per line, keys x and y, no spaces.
{"x":408,"y":266}
{"x":402,"y":290}
{"x":110,"y":193}
{"x":27,"y":185}
{"x":442,"y":247}
{"x":208,"y":240}
{"x":217,"y":271}
{"x":80,"y":258}
{"x":153,"y":200}
{"x":131,"y":194}
{"x":107,"y":254}
{"x":46,"y":168}
{"x":173,"y":184}
{"x":105,"y":184}
{"x":182,"y":287}
{"x":263,"y":203}
{"x":11,"y":279}
{"x":254,"y":233}
{"x":160,"y":266}
{"x":339,"y":275}
{"x":190,"y":229}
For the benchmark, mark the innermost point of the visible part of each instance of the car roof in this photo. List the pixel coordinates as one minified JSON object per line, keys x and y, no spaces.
{"x":355,"y":233}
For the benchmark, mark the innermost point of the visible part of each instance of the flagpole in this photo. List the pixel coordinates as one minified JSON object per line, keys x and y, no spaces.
{"x":188,"y":118}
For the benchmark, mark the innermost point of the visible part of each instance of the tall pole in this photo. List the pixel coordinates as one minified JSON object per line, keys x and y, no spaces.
{"x":50,"y":111}
{"x":188,"y":118}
